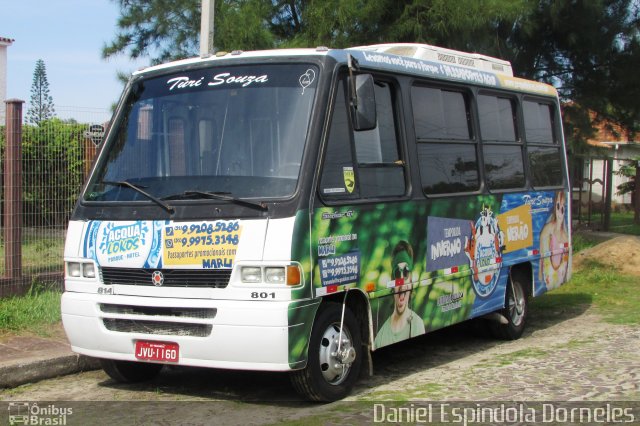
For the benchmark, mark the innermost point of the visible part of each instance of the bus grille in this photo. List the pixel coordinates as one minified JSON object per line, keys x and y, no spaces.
{"x":202,"y":278}
{"x":151,"y":311}
{"x":157,"y":327}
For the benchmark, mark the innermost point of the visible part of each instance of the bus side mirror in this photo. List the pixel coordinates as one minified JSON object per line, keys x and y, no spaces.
{"x":363,"y":103}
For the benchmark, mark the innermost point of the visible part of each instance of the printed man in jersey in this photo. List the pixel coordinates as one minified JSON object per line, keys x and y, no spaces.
{"x":403,"y":322}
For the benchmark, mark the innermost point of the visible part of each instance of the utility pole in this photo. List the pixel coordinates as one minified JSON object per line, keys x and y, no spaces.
{"x":206,"y":28}
{"x":13,"y":193}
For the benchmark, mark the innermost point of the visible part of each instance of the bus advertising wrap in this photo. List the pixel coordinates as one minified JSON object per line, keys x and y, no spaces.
{"x":445,"y":262}
{"x":162,"y":244}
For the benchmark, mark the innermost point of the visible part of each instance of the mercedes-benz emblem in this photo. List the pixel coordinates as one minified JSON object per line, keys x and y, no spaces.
{"x":157,"y":278}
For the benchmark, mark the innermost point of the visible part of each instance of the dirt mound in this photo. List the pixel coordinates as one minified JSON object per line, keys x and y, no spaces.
{"x":623,"y":253}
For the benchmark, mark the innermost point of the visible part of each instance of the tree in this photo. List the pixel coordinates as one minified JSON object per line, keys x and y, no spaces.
{"x":170,"y":29}
{"x":631,"y":172}
{"x":588,"y":49}
{"x":41,"y":102}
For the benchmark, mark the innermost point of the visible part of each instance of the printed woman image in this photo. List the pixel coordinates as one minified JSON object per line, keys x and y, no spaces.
{"x":403,"y":322}
{"x":553,"y":238}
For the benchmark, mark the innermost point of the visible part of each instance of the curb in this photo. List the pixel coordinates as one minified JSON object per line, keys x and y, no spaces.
{"x":36,"y":369}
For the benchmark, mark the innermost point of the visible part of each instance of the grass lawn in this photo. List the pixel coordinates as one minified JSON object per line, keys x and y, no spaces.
{"x":42,"y":251}
{"x":32,"y":312}
{"x":620,"y":222}
{"x":582,"y":241}
{"x":623,"y":223}
{"x":613,"y":294}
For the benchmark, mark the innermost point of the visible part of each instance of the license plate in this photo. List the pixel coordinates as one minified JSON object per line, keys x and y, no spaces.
{"x":157,"y":351}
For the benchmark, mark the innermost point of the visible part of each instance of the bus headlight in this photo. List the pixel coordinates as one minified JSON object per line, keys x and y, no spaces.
{"x":81,"y":270}
{"x":289,"y":275}
{"x":274,"y":275}
{"x":73,"y":269}
{"x":88,"y":270}
{"x":251,"y":274}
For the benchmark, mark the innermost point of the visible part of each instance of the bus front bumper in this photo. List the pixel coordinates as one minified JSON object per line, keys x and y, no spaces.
{"x":242,"y":335}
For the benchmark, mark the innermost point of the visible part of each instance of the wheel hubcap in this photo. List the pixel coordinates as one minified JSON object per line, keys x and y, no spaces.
{"x":516,"y":304}
{"x":335,"y":362}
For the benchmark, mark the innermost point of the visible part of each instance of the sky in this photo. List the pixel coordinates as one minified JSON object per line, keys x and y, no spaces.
{"x":68,"y":36}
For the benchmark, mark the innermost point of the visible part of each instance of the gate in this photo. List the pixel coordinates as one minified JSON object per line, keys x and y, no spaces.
{"x":596,"y":205}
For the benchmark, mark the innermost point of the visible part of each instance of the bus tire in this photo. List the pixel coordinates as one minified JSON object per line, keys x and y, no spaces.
{"x":329,"y":376}
{"x":515,"y":311}
{"x":130,"y":371}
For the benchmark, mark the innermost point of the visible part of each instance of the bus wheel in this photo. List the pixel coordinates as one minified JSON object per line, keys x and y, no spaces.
{"x":333,"y":366}
{"x":515,"y":312}
{"x":129,"y":371}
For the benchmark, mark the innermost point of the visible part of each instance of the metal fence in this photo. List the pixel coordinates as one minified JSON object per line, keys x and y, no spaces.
{"x":44,"y":166}
{"x":597,"y":203}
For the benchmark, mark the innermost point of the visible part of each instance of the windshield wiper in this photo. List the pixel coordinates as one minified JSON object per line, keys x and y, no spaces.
{"x":139,"y":189}
{"x":224,"y":196}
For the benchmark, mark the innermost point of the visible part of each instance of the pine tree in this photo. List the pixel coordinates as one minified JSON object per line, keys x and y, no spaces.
{"x":41,"y":102}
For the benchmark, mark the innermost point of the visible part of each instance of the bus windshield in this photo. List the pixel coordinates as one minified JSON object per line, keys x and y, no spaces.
{"x":237,"y":132}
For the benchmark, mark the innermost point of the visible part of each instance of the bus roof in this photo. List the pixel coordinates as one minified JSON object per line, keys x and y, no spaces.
{"x":405,"y":58}
{"x":440,"y":54}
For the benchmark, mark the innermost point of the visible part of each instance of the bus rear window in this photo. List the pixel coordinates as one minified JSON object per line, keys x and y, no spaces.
{"x":538,"y":123}
{"x":544,"y":151}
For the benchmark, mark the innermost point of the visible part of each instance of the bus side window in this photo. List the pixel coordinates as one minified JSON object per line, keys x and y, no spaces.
{"x":381,"y":170}
{"x":447,"y":151}
{"x":545,"y":155}
{"x":378,"y":170}
{"x":502,"y":149}
{"x":338,"y":173}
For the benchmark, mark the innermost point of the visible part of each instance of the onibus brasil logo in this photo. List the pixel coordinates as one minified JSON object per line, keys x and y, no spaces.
{"x":26,"y":413}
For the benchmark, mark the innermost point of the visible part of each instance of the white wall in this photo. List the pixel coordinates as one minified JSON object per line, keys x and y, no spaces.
{"x":620,"y":155}
{"x":3,"y":79}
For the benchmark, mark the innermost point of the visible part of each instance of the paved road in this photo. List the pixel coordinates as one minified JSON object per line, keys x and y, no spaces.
{"x":565,"y":355}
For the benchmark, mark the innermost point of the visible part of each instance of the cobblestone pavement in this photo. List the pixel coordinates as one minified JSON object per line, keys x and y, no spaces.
{"x":563,"y":356}
{"x":577,"y":358}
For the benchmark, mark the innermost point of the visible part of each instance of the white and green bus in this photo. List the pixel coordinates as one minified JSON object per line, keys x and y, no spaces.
{"x":292,"y":210}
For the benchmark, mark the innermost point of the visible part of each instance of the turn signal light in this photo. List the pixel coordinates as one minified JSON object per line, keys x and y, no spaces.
{"x":293,"y":275}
